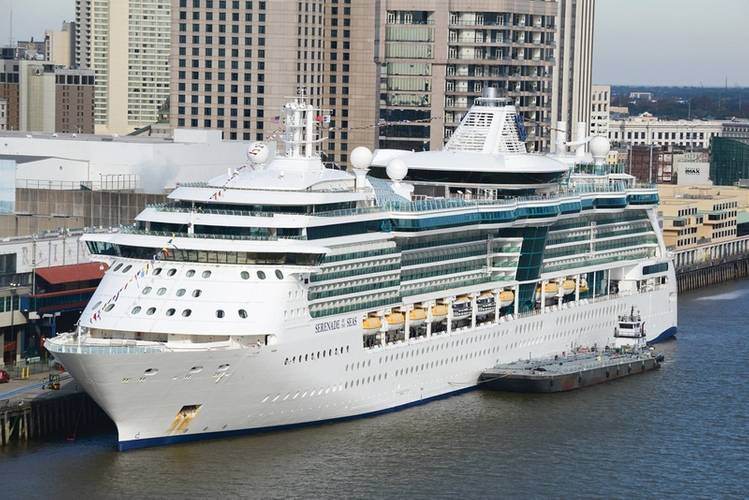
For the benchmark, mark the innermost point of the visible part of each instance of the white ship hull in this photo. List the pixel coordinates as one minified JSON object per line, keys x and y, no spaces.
{"x":261,"y":390}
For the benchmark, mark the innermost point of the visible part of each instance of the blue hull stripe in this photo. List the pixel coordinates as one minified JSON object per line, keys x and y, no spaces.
{"x":664,"y":336}
{"x":160,"y":441}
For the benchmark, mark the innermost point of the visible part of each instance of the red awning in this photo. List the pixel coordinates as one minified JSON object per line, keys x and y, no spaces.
{"x":58,"y":275}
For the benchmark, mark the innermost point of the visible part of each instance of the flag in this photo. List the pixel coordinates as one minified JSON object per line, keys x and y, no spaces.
{"x":522,"y":133}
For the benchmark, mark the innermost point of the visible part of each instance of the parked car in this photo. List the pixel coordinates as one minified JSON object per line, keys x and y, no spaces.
{"x":4,"y":377}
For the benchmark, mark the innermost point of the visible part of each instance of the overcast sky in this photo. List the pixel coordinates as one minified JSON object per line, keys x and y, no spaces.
{"x":649,"y":42}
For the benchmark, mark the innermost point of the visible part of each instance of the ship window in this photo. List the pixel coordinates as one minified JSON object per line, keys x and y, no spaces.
{"x":157,"y":271}
{"x":261,"y":275}
{"x":161,"y":291}
{"x":220,"y":313}
{"x":242,"y":313}
{"x":186,"y":312}
{"x":147,"y":290}
{"x":170,"y":312}
{"x":181,"y":292}
{"x":196,"y":293}
{"x":279,"y":274}
{"x":151,"y":310}
{"x":135,"y":310}
{"x":127,"y":268}
{"x":245,"y":275}
{"x":171,"y":272}
{"x":96,"y":306}
{"x":190,"y":273}
{"x":109,"y":307}
{"x":117,"y":267}
{"x":206,"y":274}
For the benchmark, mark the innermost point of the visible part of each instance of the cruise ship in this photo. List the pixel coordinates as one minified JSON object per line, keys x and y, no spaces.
{"x":286,"y":293}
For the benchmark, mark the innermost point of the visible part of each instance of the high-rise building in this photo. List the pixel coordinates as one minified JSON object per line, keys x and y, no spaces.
{"x":600,"y":110}
{"x":9,"y":91}
{"x":416,"y":65}
{"x":573,"y":73}
{"x":42,"y":97}
{"x":126,"y":43}
{"x":3,"y":114}
{"x":235,"y":63}
{"x":537,"y":53}
{"x":59,"y":46}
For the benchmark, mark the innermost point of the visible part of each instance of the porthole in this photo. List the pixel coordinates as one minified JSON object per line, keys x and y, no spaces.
{"x":157,"y":271}
{"x":150,"y":311}
{"x":170,"y":312}
{"x":108,"y":307}
{"x":117,"y":267}
{"x":171,"y":272}
{"x":242,"y":313}
{"x":261,"y":275}
{"x":190,"y":273}
{"x":206,"y":274}
{"x":127,"y":268}
{"x":161,"y":291}
{"x":181,"y":292}
{"x":196,"y":293}
{"x":245,"y":275}
{"x":96,"y":306}
{"x":135,"y":310}
{"x":186,"y":313}
{"x":219,"y":313}
{"x":279,"y":274}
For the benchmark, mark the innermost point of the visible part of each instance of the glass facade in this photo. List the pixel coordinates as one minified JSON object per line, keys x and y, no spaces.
{"x":729,"y":161}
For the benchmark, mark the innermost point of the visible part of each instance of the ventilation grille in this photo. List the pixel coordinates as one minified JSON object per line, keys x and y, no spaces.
{"x":510,"y":140}
{"x":472,"y":133}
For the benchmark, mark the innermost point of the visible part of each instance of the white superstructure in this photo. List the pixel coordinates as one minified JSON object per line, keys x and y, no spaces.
{"x":285,"y":293}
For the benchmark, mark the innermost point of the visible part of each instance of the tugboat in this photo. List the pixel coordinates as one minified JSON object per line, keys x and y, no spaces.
{"x":630,"y":331}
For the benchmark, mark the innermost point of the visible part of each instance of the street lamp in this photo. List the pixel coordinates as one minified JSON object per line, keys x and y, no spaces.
{"x":19,"y":341}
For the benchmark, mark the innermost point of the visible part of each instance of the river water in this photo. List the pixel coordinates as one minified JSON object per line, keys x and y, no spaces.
{"x":682,"y":431}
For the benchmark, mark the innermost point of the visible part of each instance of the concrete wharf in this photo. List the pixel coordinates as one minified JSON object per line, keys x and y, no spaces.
{"x":34,"y":411}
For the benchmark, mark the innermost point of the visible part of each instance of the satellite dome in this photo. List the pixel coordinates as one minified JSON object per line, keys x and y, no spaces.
{"x":599,"y":148}
{"x":258,"y":153}
{"x":361,"y":157}
{"x":397,"y":169}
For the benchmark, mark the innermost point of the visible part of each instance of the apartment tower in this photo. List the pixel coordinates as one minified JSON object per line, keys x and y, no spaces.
{"x":391,"y":73}
{"x":126,"y":43}
{"x":573,"y":76}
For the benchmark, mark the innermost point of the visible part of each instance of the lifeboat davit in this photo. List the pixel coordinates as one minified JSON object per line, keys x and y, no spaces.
{"x":395,"y":320}
{"x":371,"y":325}
{"x":506,"y":298}
{"x":568,"y":286}
{"x":462,"y":307}
{"x":485,"y":304}
{"x":439,"y":312}
{"x":418,"y":316}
